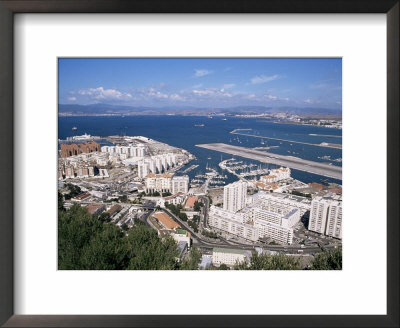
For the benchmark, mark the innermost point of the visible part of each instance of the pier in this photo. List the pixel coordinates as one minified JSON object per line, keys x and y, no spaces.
{"x":326,"y":170}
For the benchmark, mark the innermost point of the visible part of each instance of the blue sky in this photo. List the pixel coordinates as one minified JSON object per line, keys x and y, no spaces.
{"x":202,"y":82}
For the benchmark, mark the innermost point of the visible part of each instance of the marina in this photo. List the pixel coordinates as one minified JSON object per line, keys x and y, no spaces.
{"x":190,"y":168}
{"x":296,"y":163}
{"x":171,"y":128}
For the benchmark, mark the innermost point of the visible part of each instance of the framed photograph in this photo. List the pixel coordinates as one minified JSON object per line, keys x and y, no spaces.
{"x":208,"y":164}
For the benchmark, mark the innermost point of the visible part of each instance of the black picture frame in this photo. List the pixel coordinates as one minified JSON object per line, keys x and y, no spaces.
{"x":10,"y":7}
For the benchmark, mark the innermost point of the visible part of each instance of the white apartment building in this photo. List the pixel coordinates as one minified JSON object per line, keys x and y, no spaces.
{"x":143,"y":169}
{"x":229,"y":256}
{"x":281,"y":174}
{"x":274,"y":232}
{"x":175,"y":199}
{"x":152,"y":166}
{"x":257,"y":221}
{"x":280,"y":202}
{"x":180,"y":184}
{"x":103,"y":173}
{"x":276,"y":226}
{"x":158,"y":182}
{"x":334,"y":223}
{"x":231,"y":222}
{"x":326,"y":216}
{"x":287,"y":219}
{"x":318,"y":215}
{"x":156,"y":164}
{"x":276,"y":175}
{"x":129,"y":151}
{"x":235,"y":196}
{"x":166,"y":182}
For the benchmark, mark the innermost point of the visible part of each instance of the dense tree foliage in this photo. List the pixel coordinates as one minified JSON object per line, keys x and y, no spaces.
{"x":209,"y":234}
{"x":183,"y":216}
{"x":331,"y":260}
{"x":174,"y":209}
{"x":146,"y":251}
{"x":106,"y":250}
{"x":298,"y":193}
{"x":75,"y":229}
{"x":194,"y":223}
{"x":197,"y":205}
{"x":223,"y":267}
{"x":60,"y":202}
{"x":192,"y":262}
{"x":87,"y":242}
{"x":104,"y":217}
{"x":123,"y":198}
{"x":269,"y":262}
{"x":74,"y":190}
{"x":90,"y":242}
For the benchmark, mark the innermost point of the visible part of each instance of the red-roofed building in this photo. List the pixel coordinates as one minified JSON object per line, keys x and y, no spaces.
{"x":81,"y":197}
{"x":95,"y":208}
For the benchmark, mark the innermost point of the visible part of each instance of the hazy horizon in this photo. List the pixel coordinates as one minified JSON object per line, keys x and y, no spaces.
{"x":202,"y":83}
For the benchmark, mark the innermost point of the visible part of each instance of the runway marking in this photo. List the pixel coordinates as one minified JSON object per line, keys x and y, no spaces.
{"x":326,"y":145}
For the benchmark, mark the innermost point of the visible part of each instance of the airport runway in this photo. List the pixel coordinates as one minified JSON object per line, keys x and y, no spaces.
{"x":295,"y":163}
{"x":323,"y":144}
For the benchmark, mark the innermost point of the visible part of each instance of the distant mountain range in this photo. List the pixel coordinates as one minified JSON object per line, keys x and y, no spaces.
{"x":106,"y":109}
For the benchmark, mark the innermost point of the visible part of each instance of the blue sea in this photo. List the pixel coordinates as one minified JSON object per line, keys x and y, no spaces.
{"x":184,"y":132}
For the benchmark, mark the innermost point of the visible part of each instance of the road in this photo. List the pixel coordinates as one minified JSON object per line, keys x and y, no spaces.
{"x":331,"y":171}
{"x":198,"y":240}
{"x":204,"y":209}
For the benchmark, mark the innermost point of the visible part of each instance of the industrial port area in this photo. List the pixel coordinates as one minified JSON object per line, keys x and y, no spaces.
{"x":135,"y":180}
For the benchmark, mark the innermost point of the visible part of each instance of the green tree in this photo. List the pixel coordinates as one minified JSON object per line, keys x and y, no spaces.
{"x":330,"y":260}
{"x":123,"y":198}
{"x":86,"y":242}
{"x":104,"y":217}
{"x":75,"y":229}
{"x":106,"y":250}
{"x":74,"y":190}
{"x":223,"y":266}
{"x":183,"y":216}
{"x":197,"y":205}
{"x":209,"y":234}
{"x":146,"y":251}
{"x":192,"y":262}
{"x":193,"y":225}
{"x":269,"y":262}
{"x":60,"y":202}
